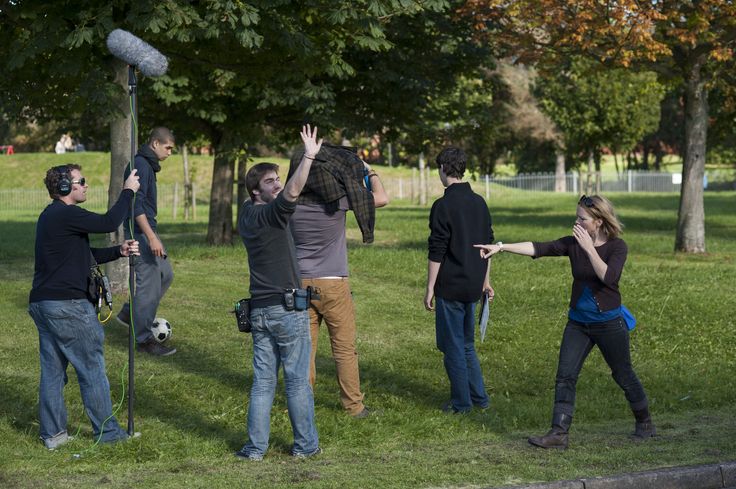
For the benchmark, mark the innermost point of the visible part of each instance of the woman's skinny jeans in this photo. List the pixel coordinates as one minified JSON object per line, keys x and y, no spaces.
{"x":612,"y":339}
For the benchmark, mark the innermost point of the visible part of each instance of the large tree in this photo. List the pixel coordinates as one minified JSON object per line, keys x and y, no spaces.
{"x":681,"y":39}
{"x":237,"y":71}
{"x":298,"y":67}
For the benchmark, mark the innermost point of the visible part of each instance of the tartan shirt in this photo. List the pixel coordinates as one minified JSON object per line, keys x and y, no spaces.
{"x":337,"y":172}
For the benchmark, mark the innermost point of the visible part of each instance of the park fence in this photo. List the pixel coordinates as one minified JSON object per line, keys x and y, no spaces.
{"x":170,"y":199}
{"x":419,"y":188}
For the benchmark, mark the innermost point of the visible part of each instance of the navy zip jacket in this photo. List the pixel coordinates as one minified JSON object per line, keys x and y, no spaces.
{"x":146,"y":199}
{"x":459,"y":220}
{"x":62,"y":250}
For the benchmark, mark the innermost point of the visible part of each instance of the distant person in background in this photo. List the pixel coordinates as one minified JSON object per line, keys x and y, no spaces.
{"x":457,"y":277}
{"x":68,"y":143}
{"x":61,"y":307}
{"x":59,"y":148}
{"x":153,"y":272}
{"x":597,"y":256}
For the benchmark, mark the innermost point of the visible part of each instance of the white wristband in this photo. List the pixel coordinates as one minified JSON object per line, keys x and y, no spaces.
{"x":500,"y":246}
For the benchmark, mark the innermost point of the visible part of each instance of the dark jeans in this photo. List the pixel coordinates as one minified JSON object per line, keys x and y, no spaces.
{"x":612,"y":338}
{"x":455,"y":327}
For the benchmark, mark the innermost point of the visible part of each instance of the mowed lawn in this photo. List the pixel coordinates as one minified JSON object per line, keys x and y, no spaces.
{"x":191,"y":408}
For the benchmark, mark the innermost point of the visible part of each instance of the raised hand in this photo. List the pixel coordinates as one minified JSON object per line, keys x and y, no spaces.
{"x":311,"y":145}
{"x":583,"y":238}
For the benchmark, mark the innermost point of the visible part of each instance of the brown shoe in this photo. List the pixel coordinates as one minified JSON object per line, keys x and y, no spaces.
{"x":153,"y":347}
{"x":555,"y":438}
{"x":644,"y":430}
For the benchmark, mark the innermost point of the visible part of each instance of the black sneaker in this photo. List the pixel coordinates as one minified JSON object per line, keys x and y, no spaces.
{"x":122,"y":321}
{"x":364,"y":413}
{"x":153,"y":347}
{"x":447,"y":407}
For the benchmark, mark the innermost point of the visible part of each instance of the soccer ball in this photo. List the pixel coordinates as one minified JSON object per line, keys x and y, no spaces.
{"x":161,"y":330}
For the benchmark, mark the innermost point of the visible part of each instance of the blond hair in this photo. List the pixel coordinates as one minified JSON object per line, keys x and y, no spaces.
{"x":601,"y":208}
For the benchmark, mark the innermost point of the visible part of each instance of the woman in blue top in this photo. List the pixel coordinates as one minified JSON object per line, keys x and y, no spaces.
{"x":597,"y":256}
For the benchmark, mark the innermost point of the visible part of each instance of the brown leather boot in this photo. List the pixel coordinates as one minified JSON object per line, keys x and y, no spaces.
{"x":644,"y":430}
{"x":557,"y":436}
{"x":644,"y":427}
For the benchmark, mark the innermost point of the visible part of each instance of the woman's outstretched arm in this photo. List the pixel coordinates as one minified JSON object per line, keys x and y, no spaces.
{"x":525,"y":248}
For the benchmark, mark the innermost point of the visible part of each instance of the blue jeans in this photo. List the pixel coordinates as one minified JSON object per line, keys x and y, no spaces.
{"x":69,"y":332}
{"x":455,"y":325}
{"x":281,"y":337}
{"x":612,"y":338}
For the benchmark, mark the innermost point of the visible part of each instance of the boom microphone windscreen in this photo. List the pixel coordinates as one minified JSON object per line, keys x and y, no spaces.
{"x":136,"y":52}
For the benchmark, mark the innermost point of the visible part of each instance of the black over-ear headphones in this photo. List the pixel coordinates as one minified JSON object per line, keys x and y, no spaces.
{"x":64,"y":185}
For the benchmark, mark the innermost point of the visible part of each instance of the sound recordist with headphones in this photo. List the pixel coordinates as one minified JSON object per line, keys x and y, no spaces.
{"x":61,"y":307}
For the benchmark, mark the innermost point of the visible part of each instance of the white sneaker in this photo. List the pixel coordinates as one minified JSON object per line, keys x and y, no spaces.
{"x":57,"y":440}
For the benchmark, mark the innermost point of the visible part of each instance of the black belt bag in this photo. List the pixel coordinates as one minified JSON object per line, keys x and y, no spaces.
{"x":242,"y":315}
{"x":297,"y":299}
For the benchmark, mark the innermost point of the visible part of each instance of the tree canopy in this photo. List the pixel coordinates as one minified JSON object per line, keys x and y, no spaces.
{"x":681,"y":39}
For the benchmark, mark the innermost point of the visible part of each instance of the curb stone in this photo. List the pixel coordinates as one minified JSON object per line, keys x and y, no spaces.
{"x":715,"y":476}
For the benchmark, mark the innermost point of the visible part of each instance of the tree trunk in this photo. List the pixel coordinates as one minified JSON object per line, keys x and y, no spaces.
{"x":597,"y":158}
{"x":658,"y":155}
{"x":187,"y":183}
{"x":691,"y":215}
{"x":220,"y":227}
{"x":422,"y":181}
{"x":117,"y":270}
{"x":560,"y":181}
{"x":615,"y":162}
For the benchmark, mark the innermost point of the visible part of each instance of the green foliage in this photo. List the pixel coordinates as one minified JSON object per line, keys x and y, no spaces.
{"x":191,"y":408}
{"x":596,"y":108}
{"x":721,"y":132}
{"x":533,"y":156}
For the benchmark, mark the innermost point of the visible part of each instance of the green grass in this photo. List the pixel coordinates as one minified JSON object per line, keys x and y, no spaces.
{"x":27,"y":170}
{"x":191,"y":408}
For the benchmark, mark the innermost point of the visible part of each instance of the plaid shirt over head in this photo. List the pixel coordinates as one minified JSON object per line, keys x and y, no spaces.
{"x":338,"y":172}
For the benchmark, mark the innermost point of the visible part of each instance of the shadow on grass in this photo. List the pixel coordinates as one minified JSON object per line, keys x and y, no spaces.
{"x":203,"y":371}
{"x":19,"y":403}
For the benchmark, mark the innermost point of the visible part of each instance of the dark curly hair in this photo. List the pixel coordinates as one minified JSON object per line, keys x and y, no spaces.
{"x":453,"y":161}
{"x":55,"y":174}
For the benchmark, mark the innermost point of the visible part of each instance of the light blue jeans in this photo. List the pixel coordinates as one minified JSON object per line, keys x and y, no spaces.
{"x":281,"y":337}
{"x":69,"y":332}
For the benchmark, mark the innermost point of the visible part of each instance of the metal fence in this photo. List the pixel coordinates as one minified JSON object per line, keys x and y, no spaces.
{"x":171,"y":196}
{"x":576,"y":183}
